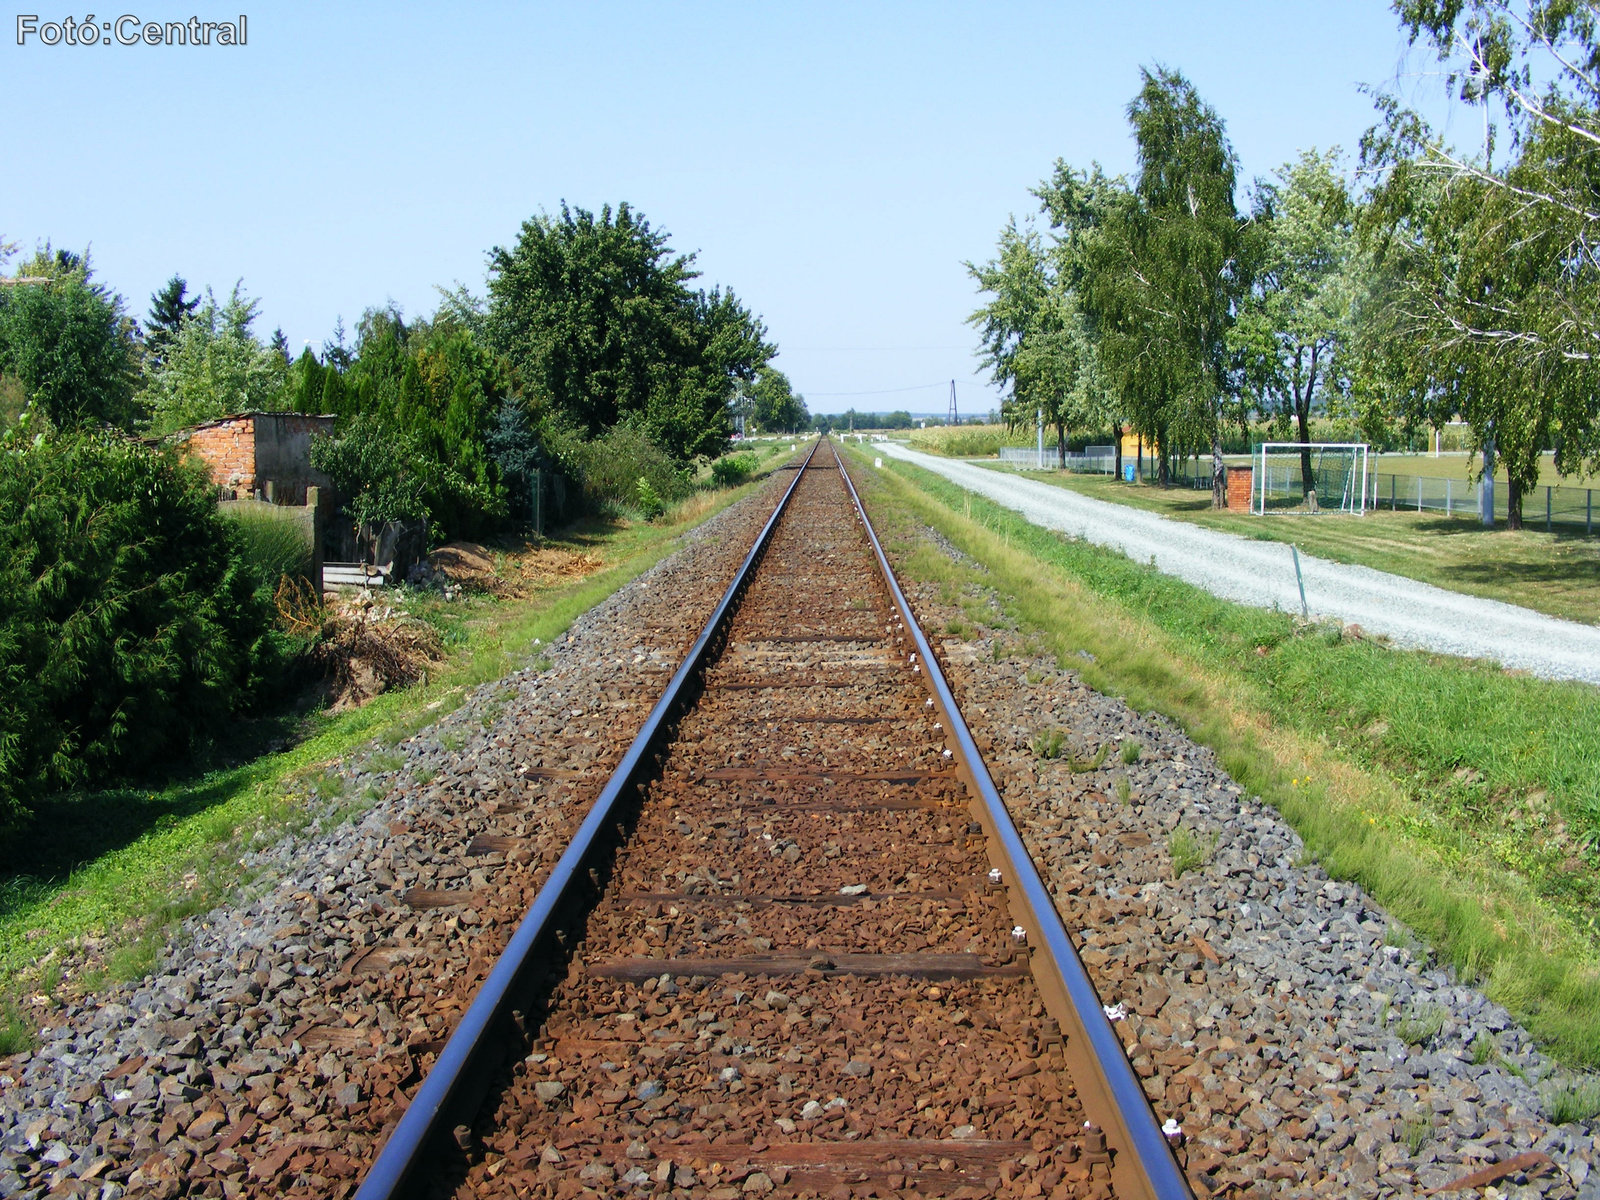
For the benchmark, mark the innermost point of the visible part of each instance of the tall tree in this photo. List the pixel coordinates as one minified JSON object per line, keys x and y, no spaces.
{"x":67,"y":342}
{"x":776,"y":407}
{"x":596,"y":316}
{"x":216,"y":366}
{"x":1295,"y":322}
{"x":170,"y":307}
{"x":1491,"y":255}
{"x":1166,"y":270}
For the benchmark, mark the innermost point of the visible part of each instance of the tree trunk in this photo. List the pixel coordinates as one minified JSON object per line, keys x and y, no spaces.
{"x":1308,"y":482}
{"x":1219,"y":472}
{"x":1163,"y":471}
{"x":1513,"y":502}
{"x":1116,"y":437}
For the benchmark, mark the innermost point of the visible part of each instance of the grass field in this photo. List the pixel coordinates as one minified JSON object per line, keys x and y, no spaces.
{"x":1555,"y":573}
{"x":1464,"y":799}
{"x":100,"y":877}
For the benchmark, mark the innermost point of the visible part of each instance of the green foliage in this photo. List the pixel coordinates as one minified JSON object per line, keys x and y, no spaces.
{"x":169,"y":309}
{"x":597,"y":317}
{"x":1131,"y":751}
{"x":68,"y":344}
{"x":1035,"y":333}
{"x":214,"y":365}
{"x":418,"y":405}
{"x":1164,"y":268}
{"x":1489,"y":286}
{"x":611,"y":466}
{"x":776,"y":406}
{"x":733,"y":469}
{"x":129,"y":627}
{"x":1296,"y":323}
{"x":650,"y":504}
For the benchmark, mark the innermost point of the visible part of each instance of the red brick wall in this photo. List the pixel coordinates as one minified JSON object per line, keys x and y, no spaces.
{"x":1241,"y":480}
{"x":229,"y":449}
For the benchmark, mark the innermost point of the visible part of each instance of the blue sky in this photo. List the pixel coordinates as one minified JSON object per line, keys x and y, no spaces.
{"x":833,"y":163}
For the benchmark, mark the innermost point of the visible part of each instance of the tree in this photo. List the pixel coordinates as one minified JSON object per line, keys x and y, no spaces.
{"x":1295,"y":323}
{"x":68,"y":343}
{"x":216,"y":366}
{"x":170,"y":307}
{"x":1505,"y":236}
{"x":596,"y":316}
{"x":1449,"y":251}
{"x":1165,"y":269}
{"x":1035,"y":333}
{"x":776,"y":406}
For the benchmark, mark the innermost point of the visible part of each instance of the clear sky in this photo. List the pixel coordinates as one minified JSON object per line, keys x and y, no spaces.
{"x":833,"y":163}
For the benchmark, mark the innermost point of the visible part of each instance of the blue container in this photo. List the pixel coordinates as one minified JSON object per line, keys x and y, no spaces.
{"x":1127,"y":472}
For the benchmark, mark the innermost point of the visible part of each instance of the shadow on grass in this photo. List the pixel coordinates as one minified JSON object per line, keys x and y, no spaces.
{"x":68,"y":829}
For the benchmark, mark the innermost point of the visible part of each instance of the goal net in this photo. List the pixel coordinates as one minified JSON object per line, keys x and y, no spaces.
{"x":1309,"y":477}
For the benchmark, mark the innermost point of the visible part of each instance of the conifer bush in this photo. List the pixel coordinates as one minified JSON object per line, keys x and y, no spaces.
{"x":130,"y":625}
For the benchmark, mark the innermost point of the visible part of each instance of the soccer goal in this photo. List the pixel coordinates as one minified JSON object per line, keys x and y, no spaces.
{"x":1309,"y":477}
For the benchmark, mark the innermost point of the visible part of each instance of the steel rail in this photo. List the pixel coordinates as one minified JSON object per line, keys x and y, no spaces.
{"x":455,"y":1085}
{"x":1107,"y":1086}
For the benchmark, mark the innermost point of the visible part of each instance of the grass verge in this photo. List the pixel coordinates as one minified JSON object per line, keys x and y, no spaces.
{"x":100,"y":877}
{"x":1465,"y":800}
{"x":1556,"y":573}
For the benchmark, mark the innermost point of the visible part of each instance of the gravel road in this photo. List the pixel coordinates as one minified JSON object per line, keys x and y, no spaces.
{"x":1411,"y":614}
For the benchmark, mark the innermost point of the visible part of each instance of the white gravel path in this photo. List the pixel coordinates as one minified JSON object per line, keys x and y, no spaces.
{"x":1410,"y":613}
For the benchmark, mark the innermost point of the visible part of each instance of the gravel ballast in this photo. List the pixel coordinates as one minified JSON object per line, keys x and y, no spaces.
{"x":1411,"y":614}
{"x":1261,"y":1002}
{"x":278,"y":1040}
{"x":1273,"y":1012}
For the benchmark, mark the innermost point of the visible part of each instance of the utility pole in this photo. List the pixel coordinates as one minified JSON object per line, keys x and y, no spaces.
{"x":955,"y":417}
{"x":1041,"y":437}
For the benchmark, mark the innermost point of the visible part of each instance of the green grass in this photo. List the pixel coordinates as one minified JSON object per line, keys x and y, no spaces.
{"x":1047,"y":743}
{"x":98,"y":879}
{"x":1420,"y":1025}
{"x":1578,"y":1100}
{"x":1464,"y":799}
{"x":1555,"y":573}
{"x":1188,"y":850}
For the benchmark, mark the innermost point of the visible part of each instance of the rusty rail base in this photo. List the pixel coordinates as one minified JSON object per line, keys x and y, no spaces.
{"x":1110,"y":1092}
{"x":455,"y":1087}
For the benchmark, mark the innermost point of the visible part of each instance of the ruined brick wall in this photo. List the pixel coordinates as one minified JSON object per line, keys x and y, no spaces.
{"x":228,"y":447}
{"x":1241,"y":482}
{"x":283,"y":453}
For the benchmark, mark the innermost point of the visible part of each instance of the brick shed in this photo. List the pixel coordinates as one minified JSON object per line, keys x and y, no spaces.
{"x":248,"y":451}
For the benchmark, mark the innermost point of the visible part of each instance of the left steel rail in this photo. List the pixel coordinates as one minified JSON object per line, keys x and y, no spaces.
{"x":454,"y":1088}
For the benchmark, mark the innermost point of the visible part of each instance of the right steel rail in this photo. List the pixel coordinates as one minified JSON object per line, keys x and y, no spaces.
{"x":1107,"y":1086}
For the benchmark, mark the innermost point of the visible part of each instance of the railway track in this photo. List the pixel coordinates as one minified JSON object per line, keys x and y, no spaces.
{"x":796,"y":947}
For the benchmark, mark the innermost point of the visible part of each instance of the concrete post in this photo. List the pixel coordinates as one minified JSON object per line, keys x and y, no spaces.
{"x":314,"y":503}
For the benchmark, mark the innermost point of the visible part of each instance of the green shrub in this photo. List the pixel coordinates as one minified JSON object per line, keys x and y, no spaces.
{"x":649,"y":502}
{"x":610,"y":467}
{"x":129,"y":625}
{"x":733,"y":469}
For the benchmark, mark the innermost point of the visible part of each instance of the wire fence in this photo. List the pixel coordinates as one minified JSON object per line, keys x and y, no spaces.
{"x":1094,"y":460}
{"x":1568,"y":507}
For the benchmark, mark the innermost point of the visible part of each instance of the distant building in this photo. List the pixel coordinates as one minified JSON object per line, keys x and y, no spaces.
{"x":261,"y":455}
